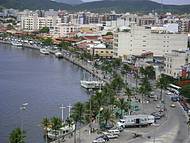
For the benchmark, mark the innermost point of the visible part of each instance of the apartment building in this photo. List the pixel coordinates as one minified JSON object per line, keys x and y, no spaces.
{"x":63,"y":30}
{"x":33,"y":23}
{"x":174,"y":62}
{"x":140,"y":39}
{"x":100,"y":50}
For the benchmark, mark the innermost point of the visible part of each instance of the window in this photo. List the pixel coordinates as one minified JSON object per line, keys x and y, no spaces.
{"x":102,"y":51}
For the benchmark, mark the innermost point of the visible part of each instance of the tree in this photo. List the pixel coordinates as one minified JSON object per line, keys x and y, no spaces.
{"x":162,"y":83}
{"x":78,"y":115}
{"x":45,"y":124}
{"x":129,"y":95}
{"x":145,"y":87}
{"x":150,"y":72}
{"x":109,"y":33}
{"x":116,"y":63}
{"x":117,"y":83}
{"x":48,"y":41}
{"x":107,"y":116}
{"x":122,"y":105}
{"x":185,"y":91}
{"x":44,"y":30}
{"x":56,"y":124}
{"x":17,"y":136}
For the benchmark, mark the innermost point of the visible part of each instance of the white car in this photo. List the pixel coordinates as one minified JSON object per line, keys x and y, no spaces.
{"x":114,"y":131}
{"x":99,"y":140}
{"x":110,"y":136}
{"x":169,"y":93}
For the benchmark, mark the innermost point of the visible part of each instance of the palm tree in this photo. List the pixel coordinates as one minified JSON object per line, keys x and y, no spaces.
{"x":78,"y":116}
{"x":107,"y":116}
{"x":45,"y":124}
{"x":162,"y":83}
{"x":56,"y":124}
{"x":122,"y":105}
{"x":98,"y":99}
{"x":17,"y":136}
{"x":129,"y":95}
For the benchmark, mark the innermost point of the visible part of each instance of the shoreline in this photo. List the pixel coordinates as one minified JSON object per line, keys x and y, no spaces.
{"x":76,"y":61}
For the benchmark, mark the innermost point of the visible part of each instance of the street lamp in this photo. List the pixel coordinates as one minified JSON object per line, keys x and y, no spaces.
{"x":90,"y":92}
{"x":101,"y":108}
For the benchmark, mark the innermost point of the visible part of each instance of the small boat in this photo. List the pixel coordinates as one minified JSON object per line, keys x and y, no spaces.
{"x":44,"y":51}
{"x":58,"y":55}
{"x":91,"y":84}
{"x":16,"y":43}
{"x":61,"y":133}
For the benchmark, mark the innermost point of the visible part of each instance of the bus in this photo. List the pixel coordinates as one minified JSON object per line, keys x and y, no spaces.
{"x":174,"y":89}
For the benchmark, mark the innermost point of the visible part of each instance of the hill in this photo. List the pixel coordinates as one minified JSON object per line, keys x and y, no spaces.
{"x":137,"y":6}
{"x":132,"y":6}
{"x":34,"y":4}
{"x":72,"y":2}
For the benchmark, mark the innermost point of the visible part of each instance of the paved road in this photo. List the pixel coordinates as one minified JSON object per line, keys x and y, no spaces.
{"x":174,"y":130}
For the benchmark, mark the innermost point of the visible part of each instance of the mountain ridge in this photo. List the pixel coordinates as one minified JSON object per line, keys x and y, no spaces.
{"x":137,"y":6}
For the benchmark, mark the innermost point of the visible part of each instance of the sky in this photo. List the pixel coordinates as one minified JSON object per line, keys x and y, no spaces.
{"x":164,"y":1}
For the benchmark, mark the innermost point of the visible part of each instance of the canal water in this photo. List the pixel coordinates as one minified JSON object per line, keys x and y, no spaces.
{"x":43,"y":82}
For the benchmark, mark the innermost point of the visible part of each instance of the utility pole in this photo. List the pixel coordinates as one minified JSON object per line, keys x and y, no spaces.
{"x":62,"y":108}
{"x":69,"y":110}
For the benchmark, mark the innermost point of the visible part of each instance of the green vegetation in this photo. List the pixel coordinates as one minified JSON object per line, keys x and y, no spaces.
{"x":141,"y":6}
{"x":109,"y":33}
{"x":44,"y":30}
{"x":33,"y":4}
{"x":45,"y":124}
{"x":65,"y":45}
{"x":162,"y":83}
{"x":185,"y":91}
{"x":48,"y":41}
{"x":148,"y":72}
{"x":17,"y":136}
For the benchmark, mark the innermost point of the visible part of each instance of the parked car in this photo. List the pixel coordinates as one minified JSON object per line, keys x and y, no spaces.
{"x":99,"y":140}
{"x":105,"y":137}
{"x":110,"y":136}
{"x":156,"y":116}
{"x":114,"y":131}
{"x":172,"y":105}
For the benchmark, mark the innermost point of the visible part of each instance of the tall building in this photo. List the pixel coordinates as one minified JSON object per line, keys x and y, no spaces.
{"x":140,"y":39}
{"x":33,"y":23}
{"x":174,"y":62}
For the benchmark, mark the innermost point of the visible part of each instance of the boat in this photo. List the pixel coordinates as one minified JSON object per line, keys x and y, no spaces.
{"x":61,"y":133}
{"x":91,"y":84}
{"x":16,"y":43}
{"x":58,"y":55}
{"x":44,"y":51}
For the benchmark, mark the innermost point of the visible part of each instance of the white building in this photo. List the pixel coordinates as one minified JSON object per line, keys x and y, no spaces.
{"x":63,"y":30}
{"x":33,"y":23}
{"x":138,"y":40}
{"x":175,"y":61}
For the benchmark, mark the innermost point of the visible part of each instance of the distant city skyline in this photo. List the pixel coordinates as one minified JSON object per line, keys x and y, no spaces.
{"x":164,"y":1}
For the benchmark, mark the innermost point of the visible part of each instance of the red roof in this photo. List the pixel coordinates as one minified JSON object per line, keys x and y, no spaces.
{"x":90,"y":37}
